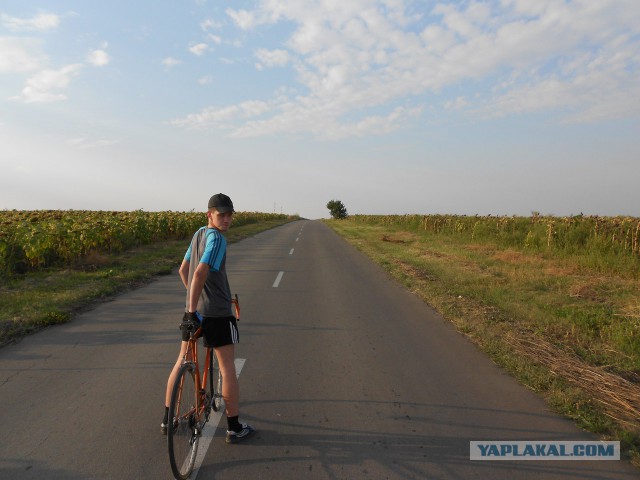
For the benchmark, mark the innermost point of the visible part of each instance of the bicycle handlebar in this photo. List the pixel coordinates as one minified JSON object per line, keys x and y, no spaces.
{"x":191,"y":327}
{"x":194,"y":328}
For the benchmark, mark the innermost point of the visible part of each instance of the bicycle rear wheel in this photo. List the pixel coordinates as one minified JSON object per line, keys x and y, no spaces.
{"x":215,"y":382}
{"x":182,"y":432}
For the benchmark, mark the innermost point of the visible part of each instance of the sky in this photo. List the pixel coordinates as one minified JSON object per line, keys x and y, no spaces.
{"x":502,"y":107}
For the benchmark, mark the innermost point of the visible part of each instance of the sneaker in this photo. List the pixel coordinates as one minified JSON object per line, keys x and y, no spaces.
{"x":235,"y":437}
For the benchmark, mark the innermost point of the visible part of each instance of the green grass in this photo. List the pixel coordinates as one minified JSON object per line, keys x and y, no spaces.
{"x":518,"y":304}
{"x":35,"y":300}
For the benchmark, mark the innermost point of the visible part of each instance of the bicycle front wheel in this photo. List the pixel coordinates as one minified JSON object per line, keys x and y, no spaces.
{"x":182,"y":432}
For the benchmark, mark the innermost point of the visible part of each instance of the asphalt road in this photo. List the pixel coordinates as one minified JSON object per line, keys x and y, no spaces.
{"x":345,"y":374}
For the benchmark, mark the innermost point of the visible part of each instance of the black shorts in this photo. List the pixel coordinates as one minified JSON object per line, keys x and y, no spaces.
{"x":220,"y":331}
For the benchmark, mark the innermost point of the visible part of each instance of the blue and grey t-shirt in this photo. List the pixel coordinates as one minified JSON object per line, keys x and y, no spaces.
{"x":209,"y":246}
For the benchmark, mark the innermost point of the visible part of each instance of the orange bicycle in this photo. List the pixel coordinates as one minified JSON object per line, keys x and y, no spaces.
{"x":191,"y":402}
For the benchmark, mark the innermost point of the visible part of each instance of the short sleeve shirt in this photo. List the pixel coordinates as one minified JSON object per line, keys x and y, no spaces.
{"x":209,"y":246}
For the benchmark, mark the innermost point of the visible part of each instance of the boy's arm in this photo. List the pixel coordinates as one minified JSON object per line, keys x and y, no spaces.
{"x":197,"y":284}
{"x":184,"y":272}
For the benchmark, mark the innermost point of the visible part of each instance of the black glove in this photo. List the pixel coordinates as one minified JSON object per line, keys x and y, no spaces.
{"x":190,"y":322}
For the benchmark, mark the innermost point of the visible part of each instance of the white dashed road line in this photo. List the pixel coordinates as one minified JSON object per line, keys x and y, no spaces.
{"x":278,"y":278}
{"x":210,"y":429}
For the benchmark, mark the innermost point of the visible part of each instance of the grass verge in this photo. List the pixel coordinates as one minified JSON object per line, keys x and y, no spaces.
{"x":568,"y":332}
{"x":36,"y":300}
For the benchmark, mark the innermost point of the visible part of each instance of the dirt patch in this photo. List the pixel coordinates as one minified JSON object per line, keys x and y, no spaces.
{"x":399,"y":237}
{"x":414,"y":272}
{"x":513,"y":257}
{"x":431,"y":254}
{"x":586,"y":291}
{"x":560,"y":271}
{"x":386,"y":238}
{"x":632,"y":310}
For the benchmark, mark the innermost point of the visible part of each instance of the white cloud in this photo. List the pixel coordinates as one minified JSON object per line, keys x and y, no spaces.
{"x":199,"y":49}
{"x":20,"y":55}
{"x":368,"y":125}
{"x":272,"y":58}
{"x":219,"y":117}
{"x":578,"y":59}
{"x":592,"y":88}
{"x":210,"y":24}
{"x":81,"y":143}
{"x":215,"y":38}
{"x":98,"y":58}
{"x":243,"y":18}
{"x":456,"y":104}
{"x":170,"y":62}
{"x":206,"y":80}
{"x":41,"y":87}
{"x":41,"y":22}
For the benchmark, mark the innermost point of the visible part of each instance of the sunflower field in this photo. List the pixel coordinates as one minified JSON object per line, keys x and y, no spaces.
{"x":37,"y":239}
{"x":613,"y":240}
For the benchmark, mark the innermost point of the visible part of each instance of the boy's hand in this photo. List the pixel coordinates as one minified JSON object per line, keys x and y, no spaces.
{"x":190,"y":321}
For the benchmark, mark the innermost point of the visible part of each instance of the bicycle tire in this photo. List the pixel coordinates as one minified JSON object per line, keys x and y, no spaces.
{"x":215,"y":382}
{"x":183,"y":436}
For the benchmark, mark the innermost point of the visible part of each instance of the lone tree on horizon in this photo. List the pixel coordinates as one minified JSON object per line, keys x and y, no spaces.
{"x":337,"y":209}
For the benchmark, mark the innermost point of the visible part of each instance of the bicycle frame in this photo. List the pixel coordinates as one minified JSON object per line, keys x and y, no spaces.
{"x":190,"y":415}
{"x":191,"y":356}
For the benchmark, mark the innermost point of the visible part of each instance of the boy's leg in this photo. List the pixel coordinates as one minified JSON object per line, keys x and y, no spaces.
{"x":170,"y":382}
{"x":230,"y":386}
{"x":237,"y":431}
{"x":174,"y":374}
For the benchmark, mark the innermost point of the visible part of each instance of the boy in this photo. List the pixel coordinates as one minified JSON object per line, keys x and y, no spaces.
{"x":204,"y":275}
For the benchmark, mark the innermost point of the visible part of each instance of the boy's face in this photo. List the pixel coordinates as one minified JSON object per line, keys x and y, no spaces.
{"x":220,"y":221}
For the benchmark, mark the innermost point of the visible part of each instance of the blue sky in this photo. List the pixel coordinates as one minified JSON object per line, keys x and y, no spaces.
{"x":471,"y":107}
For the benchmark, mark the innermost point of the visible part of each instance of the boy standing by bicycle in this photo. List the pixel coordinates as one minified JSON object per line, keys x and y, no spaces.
{"x":204,"y":275}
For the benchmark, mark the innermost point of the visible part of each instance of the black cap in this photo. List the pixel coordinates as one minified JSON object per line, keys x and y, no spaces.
{"x":221,"y":203}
